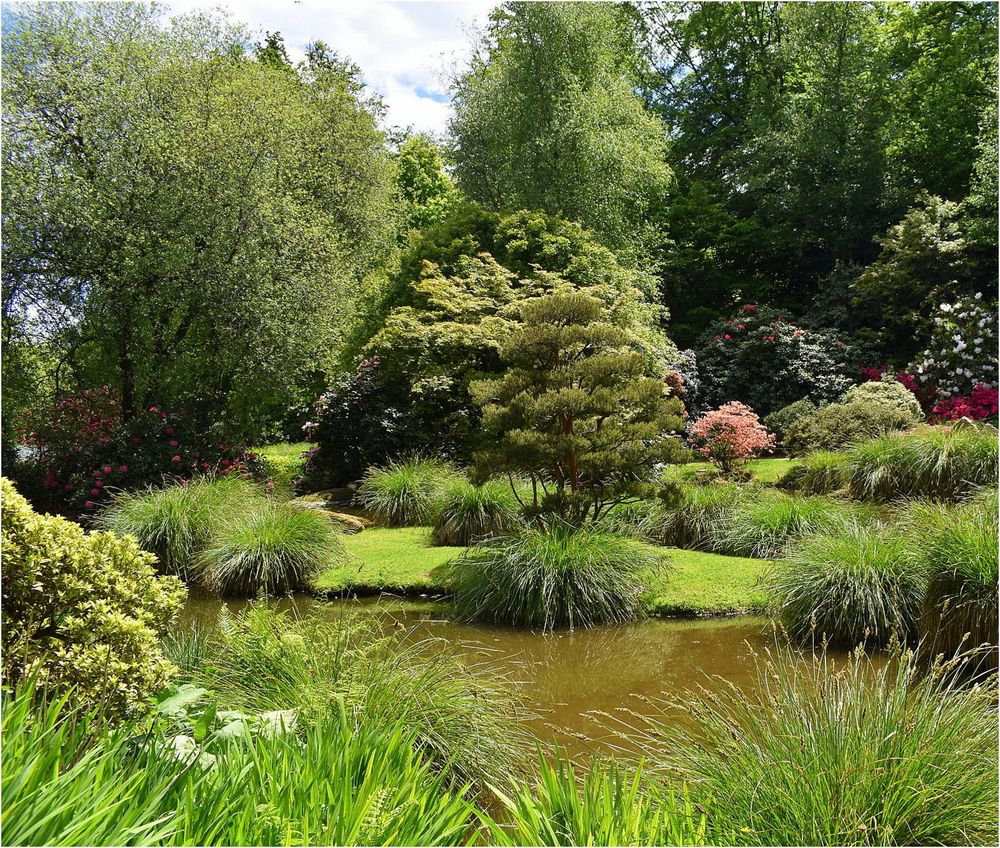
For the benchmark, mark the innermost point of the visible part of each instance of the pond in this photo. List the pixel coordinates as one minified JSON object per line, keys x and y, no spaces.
{"x":565,"y":675}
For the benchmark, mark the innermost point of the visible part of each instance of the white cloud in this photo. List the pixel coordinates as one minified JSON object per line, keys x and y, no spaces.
{"x":403,"y":48}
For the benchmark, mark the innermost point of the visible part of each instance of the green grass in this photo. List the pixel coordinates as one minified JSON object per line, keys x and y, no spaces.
{"x":284,"y":463}
{"x":465,"y":714}
{"x":856,"y":584}
{"x":403,"y":559}
{"x":943,"y":463}
{"x":861,"y":752}
{"x":553,"y":576}
{"x":388,"y":558}
{"x":405,"y":492}
{"x":269,"y":547}
{"x":352,"y":780}
{"x":176,"y":521}
{"x":706,"y":584}
{"x":766,"y":471}
{"x":606,"y":805}
{"x":466,"y":513}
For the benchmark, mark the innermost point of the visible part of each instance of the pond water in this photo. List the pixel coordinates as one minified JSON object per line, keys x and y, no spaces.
{"x":565,"y":675}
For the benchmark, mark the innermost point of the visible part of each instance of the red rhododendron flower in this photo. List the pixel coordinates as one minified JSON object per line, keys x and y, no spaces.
{"x":123,"y":468}
{"x":89,"y":504}
{"x":174,"y":443}
{"x":95,"y":491}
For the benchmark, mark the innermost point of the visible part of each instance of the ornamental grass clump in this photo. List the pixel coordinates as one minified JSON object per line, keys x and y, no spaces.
{"x":176,"y":520}
{"x":957,"y":549}
{"x":863,"y":752}
{"x":466,"y":513}
{"x":466,"y":716}
{"x":765,"y":525}
{"x":820,"y":473}
{"x":271,"y":547}
{"x":552,"y":576}
{"x":607,"y":805}
{"x":857,"y":583}
{"x":404,"y":492}
{"x":942,"y":463}
{"x":690,"y":521}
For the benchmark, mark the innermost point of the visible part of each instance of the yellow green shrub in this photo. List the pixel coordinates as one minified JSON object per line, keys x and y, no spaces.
{"x":82,"y":610}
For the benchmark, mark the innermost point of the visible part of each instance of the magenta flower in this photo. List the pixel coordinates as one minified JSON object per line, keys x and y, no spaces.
{"x":89,"y":504}
{"x":95,"y":492}
{"x":174,"y":443}
{"x":123,"y":468}
{"x":175,"y":459}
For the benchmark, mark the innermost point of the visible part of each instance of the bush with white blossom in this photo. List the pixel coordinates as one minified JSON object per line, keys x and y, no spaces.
{"x":962,"y":353}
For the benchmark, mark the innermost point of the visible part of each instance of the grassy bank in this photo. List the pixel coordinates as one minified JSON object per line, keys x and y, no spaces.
{"x":402,"y":559}
{"x":766,"y":471}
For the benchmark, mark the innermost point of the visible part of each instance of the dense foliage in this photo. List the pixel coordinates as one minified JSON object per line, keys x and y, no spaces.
{"x":82,"y":451}
{"x":185,"y":195}
{"x":82,"y":610}
{"x":573,"y":412}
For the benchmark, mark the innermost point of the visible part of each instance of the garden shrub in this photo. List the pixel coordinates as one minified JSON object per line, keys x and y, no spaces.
{"x":270,"y":547}
{"x":781,"y":420}
{"x":931,"y":462}
{"x":981,"y":404}
{"x":405,"y":492}
{"x":957,"y":549}
{"x":730,"y":435}
{"x":866,"y":411}
{"x":465,"y":716}
{"x":82,"y":450}
{"x":553,"y":576}
{"x":176,"y":521}
{"x":453,"y":303}
{"x":466,"y":513}
{"x":764,"y":525}
{"x":823,"y":753}
{"x":82,"y":610}
{"x":820,"y":473}
{"x":855,"y":584}
{"x":764,"y":360}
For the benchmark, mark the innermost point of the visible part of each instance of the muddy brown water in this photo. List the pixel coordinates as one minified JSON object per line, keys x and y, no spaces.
{"x":563,"y":676}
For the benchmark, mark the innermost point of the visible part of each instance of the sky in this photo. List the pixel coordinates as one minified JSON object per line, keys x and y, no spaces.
{"x":403,"y":48}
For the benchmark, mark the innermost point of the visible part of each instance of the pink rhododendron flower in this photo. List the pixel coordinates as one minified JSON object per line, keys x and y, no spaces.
{"x":174,"y":443}
{"x":89,"y":504}
{"x":95,"y":491}
{"x":123,"y":468}
{"x":175,"y":459}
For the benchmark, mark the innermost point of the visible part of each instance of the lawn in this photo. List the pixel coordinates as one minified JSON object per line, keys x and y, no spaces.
{"x":284,"y":462}
{"x":391,"y":559}
{"x":706,"y":584}
{"x":763,"y":470}
{"x":402,"y":559}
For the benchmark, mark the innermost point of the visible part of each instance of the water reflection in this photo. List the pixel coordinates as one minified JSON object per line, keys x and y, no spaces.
{"x":564,"y":675}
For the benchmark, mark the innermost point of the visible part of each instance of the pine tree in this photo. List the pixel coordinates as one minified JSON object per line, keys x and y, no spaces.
{"x":574,"y":412}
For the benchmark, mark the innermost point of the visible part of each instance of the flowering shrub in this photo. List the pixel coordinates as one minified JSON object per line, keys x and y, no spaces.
{"x":763,"y":359}
{"x":962,"y":353}
{"x":980,"y":404}
{"x":730,"y":435}
{"x":82,"y":450}
{"x":685,"y":366}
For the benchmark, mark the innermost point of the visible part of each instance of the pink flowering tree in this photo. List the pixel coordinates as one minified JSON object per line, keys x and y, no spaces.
{"x":730,"y":435}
